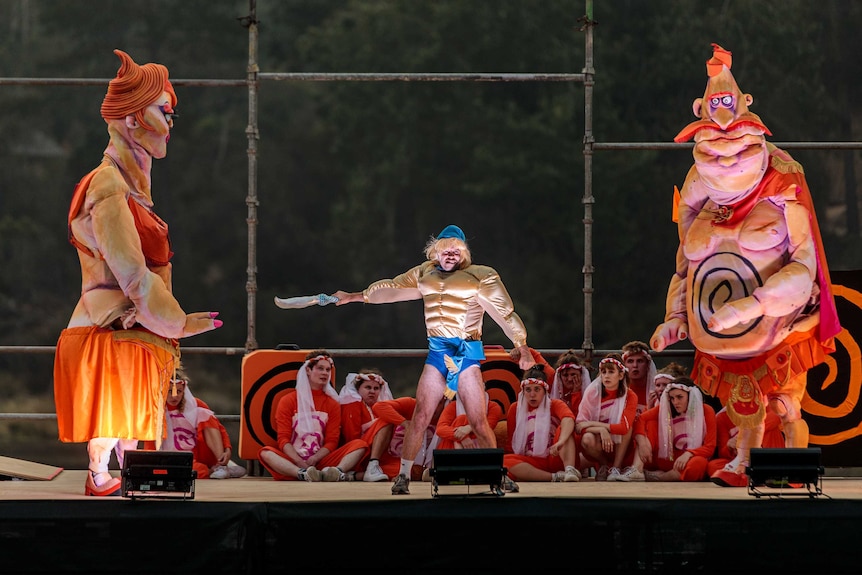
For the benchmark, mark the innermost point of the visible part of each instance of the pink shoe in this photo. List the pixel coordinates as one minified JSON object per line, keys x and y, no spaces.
{"x":727,"y":478}
{"x":111,"y":487}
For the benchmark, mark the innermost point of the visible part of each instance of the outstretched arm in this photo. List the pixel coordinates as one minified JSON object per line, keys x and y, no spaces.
{"x":403,"y":287}
{"x":347,"y":297}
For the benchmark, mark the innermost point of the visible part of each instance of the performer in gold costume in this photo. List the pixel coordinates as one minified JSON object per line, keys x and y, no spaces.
{"x":456,"y":294}
{"x":115,"y":358}
{"x":751,"y":287}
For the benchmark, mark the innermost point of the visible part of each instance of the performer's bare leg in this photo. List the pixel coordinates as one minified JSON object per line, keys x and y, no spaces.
{"x":471,"y":388}
{"x":429,"y":392}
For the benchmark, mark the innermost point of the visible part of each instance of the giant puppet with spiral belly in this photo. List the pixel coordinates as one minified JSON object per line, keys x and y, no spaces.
{"x":751,"y":287}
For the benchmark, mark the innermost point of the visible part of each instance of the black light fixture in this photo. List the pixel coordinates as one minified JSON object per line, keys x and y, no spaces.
{"x":158,"y":474}
{"x":468,"y":467}
{"x":785,"y":471}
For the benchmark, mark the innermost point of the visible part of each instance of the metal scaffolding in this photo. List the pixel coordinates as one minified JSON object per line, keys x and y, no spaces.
{"x":253,"y":80}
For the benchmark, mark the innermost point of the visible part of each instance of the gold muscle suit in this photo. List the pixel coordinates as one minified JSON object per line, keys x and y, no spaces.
{"x":454,"y":302}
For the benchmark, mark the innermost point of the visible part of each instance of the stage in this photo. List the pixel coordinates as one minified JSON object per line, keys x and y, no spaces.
{"x":256,"y":525}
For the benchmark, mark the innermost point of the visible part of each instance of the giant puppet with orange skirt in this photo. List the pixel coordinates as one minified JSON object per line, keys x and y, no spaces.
{"x":751,"y":289}
{"x":115,"y":359}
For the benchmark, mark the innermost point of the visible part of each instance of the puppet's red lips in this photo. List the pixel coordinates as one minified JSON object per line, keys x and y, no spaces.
{"x":722,"y":145}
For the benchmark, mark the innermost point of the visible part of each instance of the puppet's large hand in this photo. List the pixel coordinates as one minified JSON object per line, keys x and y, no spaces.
{"x":200,"y":322}
{"x":668,"y":333}
{"x":735,"y":313}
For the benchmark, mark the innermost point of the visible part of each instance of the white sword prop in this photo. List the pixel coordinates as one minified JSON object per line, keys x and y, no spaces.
{"x":304,"y":301}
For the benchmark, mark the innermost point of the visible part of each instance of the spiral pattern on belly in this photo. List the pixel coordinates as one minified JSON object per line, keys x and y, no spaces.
{"x":721,"y":278}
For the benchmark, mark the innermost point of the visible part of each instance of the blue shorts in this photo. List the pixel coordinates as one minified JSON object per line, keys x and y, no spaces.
{"x":463,"y":353}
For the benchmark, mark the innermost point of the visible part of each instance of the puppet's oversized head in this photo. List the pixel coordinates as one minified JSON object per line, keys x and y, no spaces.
{"x":729,"y":141}
{"x":143,"y":99}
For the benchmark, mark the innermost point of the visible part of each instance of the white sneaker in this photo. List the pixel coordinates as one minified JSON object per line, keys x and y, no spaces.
{"x":374,"y":473}
{"x":631,"y":474}
{"x":310,"y":474}
{"x":614,"y":474}
{"x":219,"y":472}
{"x":236,"y":471}
{"x":568,"y":476}
{"x":572,"y":474}
{"x":330,"y":474}
{"x":509,"y":485}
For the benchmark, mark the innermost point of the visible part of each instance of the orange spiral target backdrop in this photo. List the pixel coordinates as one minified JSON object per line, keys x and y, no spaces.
{"x":831,"y":404}
{"x":268,"y":375}
{"x":502,"y":377}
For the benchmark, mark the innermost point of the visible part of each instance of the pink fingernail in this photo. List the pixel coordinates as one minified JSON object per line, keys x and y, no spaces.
{"x":217,"y":323}
{"x":213,"y":314}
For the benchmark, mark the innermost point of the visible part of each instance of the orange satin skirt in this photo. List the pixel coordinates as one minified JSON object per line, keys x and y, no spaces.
{"x":112,"y":383}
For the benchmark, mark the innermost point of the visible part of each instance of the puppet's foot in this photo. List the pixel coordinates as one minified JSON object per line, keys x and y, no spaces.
{"x":729,"y":478}
{"x":109,"y":487}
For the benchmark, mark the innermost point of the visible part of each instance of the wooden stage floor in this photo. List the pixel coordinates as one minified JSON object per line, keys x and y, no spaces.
{"x":69,"y":486}
{"x":256,"y":525}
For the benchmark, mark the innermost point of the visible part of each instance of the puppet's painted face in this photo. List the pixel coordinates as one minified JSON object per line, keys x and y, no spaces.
{"x":730,"y":162}
{"x":729,"y":145}
{"x":159,"y":116}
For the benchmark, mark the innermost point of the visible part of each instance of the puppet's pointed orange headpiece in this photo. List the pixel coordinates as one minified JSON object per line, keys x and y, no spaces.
{"x":135,"y":88}
{"x":720,"y":58}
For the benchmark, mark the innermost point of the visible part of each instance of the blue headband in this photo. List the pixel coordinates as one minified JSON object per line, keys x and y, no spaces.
{"x":452,"y":231}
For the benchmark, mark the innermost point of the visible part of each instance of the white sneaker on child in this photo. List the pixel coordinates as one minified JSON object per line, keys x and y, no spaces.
{"x":236,"y":471}
{"x":330,"y":474}
{"x":631,"y":474}
{"x":614,"y":474}
{"x":219,"y":472}
{"x":374,"y":473}
{"x":310,"y":474}
{"x":572,"y":474}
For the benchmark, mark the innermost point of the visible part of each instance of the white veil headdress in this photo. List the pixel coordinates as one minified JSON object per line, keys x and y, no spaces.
{"x":542,"y":426}
{"x":557,"y":387}
{"x":694,"y":425}
{"x":349,"y":394}
{"x":192,"y":413}
{"x":591,"y":404}
{"x":308,"y":423}
{"x":650,"y":380}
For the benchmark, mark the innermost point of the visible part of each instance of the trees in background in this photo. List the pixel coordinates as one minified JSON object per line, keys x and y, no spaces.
{"x":355,"y":176}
